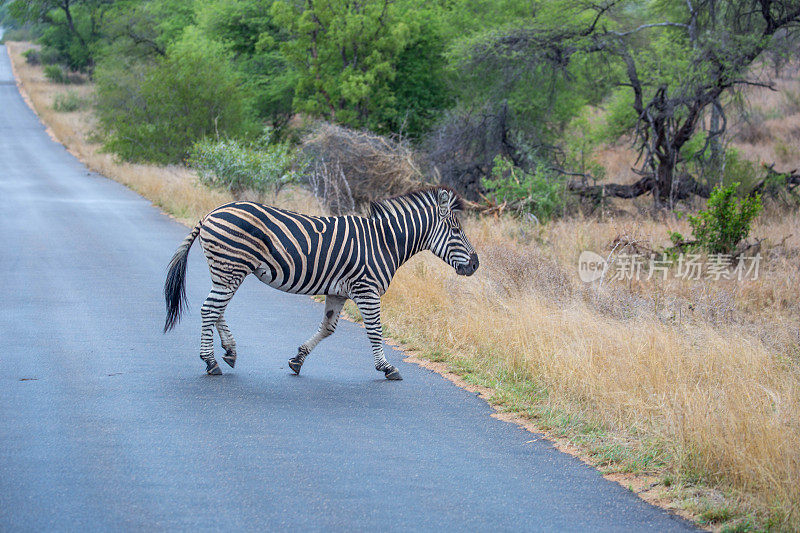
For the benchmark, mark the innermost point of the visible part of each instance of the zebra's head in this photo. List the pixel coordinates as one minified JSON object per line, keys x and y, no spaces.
{"x":447,"y":240}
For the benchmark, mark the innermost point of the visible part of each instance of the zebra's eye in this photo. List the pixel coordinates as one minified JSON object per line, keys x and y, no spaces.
{"x":456,"y":231}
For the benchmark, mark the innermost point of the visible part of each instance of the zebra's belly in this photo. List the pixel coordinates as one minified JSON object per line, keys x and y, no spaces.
{"x":319,"y":287}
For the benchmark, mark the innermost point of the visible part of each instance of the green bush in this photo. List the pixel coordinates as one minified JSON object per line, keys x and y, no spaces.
{"x":49,"y":56}
{"x":726,"y":221}
{"x":539,"y":193}
{"x":744,"y":173}
{"x":238,"y":166}
{"x":66,"y":47}
{"x":155,"y":111}
{"x":676,"y":238}
{"x":32,"y":57}
{"x":68,"y":102}
{"x":737,"y":169}
{"x":56,"y":74}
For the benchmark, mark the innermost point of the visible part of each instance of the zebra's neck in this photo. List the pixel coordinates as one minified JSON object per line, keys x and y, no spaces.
{"x":403,"y":226}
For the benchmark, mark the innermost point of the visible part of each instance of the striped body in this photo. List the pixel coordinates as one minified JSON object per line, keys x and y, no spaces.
{"x":298,"y":253}
{"x":339,"y":257}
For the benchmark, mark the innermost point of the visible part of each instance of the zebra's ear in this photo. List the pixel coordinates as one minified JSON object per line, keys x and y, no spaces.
{"x":444,"y":199}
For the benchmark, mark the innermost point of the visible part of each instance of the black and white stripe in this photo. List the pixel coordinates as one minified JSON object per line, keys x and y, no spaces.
{"x":340,"y":257}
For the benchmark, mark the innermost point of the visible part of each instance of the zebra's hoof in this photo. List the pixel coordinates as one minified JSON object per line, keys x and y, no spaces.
{"x":212,"y":369}
{"x":295,"y":364}
{"x":229,"y":358}
{"x":393,"y":374}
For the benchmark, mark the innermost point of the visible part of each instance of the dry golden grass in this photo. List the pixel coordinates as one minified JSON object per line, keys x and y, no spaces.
{"x":695,"y":382}
{"x":618,"y":160}
{"x":770,"y":131}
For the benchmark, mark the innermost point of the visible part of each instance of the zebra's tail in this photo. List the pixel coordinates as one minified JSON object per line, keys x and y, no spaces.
{"x":175,"y":285}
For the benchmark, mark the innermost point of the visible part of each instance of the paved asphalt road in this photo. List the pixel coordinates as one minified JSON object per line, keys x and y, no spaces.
{"x":106,"y":424}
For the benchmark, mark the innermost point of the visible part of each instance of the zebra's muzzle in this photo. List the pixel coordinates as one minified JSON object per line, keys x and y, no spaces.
{"x":468,"y":268}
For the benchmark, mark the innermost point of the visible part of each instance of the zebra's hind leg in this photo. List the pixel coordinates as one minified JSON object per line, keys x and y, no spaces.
{"x":228,"y":342}
{"x":369,"y":305}
{"x":333,"y":307}
{"x":212,"y":309}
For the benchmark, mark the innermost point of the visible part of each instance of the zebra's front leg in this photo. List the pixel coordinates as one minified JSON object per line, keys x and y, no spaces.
{"x":369,"y":305}
{"x":333,"y":307}
{"x":228,"y":342}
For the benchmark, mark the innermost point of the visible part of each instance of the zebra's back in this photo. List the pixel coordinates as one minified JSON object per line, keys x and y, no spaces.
{"x":289,"y":251}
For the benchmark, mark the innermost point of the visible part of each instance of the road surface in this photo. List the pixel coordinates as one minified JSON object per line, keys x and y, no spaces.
{"x":107,"y":424}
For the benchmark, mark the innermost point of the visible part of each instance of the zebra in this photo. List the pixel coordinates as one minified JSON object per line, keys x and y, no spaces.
{"x":339,"y":257}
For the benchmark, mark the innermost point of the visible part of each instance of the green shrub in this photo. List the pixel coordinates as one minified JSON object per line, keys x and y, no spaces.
{"x":744,"y":173}
{"x":32,"y":57}
{"x":726,"y":221}
{"x":238,"y":166}
{"x":68,"y":102}
{"x":56,"y":74}
{"x":675,"y":237}
{"x":67,"y":47}
{"x":737,"y":169}
{"x":539,"y":193}
{"x":49,"y":56}
{"x":155,"y":111}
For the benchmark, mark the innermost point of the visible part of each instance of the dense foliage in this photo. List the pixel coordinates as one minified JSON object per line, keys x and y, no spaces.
{"x":237,"y":166}
{"x":156,"y":111}
{"x":373,"y":64}
{"x":538,"y":193}
{"x":726,"y":220}
{"x":541,"y":83}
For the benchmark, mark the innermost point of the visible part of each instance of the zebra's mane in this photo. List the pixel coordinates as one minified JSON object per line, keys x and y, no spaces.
{"x":427,"y":195}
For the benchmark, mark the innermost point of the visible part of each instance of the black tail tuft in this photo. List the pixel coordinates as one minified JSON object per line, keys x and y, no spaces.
{"x":175,"y":285}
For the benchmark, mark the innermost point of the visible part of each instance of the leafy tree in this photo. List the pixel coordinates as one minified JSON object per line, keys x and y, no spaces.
{"x":250,"y":33}
{"x":7,"y":20}
{"x":155,"y":112}
{"x":143,"y":30}
{"x":676,"y":58}
{"x":510,"y":102}
{"x":541,"y":99}
{"x":343,"y":51}
{"x":420,"y":84}
{"x":348,"y":53}
{"x":72,"y":27}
